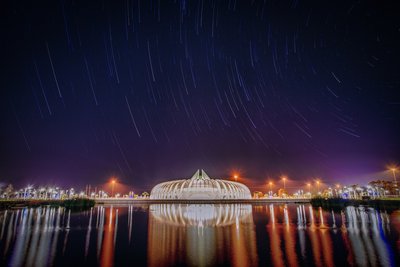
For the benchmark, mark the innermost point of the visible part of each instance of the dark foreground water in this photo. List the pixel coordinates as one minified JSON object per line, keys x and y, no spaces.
{"x":200,"y":235}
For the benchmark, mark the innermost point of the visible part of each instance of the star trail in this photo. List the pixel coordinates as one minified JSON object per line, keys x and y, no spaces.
{"x":151,"y":90}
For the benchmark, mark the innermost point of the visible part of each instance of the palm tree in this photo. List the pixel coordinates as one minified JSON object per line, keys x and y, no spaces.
{"x":8,"y":191}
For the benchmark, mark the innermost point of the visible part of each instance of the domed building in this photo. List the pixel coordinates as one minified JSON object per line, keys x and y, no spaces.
{"x":200,"y":186}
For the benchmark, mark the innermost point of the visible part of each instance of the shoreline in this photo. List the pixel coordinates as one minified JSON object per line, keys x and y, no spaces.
{"x":114,"y":201}
{"x":81,"y":203}
{"x":85,"y":203}
{"x":88,"y":203}
{"x":339,"y":203}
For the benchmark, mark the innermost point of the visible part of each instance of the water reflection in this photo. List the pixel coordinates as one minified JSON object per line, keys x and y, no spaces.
{"x":110,"y":235}
{"x":200,"y":235}
{"x":33,"y":234}
{"x":366,"y":231}
{"x":202,"y":214}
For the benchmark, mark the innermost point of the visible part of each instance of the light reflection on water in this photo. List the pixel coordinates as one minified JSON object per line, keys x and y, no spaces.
{"x":200,"y":235}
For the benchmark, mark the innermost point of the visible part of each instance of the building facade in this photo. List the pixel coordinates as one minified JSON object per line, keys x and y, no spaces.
{"x":200,"y":186}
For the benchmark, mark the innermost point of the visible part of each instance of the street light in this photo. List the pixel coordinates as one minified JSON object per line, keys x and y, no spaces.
{"x":393,"y":169}
{"x":270,"y":188}
{"x":337,"y":190}
{"x":309,"y":188}
{"x":318,"y":182}
{"x":284,"y":182}
{"x":112,"y":187}
{"x":235,"y":177}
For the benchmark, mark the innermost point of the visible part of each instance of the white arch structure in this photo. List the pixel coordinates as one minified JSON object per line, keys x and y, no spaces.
{"x":200,"y":186}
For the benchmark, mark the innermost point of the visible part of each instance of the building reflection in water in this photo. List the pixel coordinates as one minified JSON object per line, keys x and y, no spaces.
{"x":201,"y":235}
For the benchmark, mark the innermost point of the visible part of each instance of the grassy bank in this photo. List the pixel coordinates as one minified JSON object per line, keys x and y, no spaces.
{"x":81,"y":203}
{"x":339,"y":203}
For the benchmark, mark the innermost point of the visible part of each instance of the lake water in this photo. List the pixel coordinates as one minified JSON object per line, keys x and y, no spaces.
{"x":200,"y":235}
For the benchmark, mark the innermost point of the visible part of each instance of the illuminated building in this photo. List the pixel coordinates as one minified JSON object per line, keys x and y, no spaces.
{"x":200,"y":186}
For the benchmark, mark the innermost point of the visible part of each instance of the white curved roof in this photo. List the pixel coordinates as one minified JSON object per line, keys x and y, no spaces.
{"x":200,"y":186}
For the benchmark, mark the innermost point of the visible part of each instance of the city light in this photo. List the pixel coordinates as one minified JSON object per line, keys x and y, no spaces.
{"x":377,"y":188}
{"x":394,"y":170}
{"x":113,"y":182}
{"x":270,"y":188}
{"x":284,"y":181}
{"x":318,"y":183}
{"x":309,"y":188}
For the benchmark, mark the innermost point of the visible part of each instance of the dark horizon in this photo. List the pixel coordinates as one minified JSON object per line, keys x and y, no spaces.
{"x":149,"y":91}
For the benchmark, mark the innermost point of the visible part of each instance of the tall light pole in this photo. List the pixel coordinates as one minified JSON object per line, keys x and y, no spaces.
{"x":284,"y":182}
{"x":395,"y":181}
{"x":394,"y":174}
{"x":236,"y":177}
{"x":112,"y":187}
{"x":309,"y":188}
{"x":337,"y":190}
{"x":270,"y":188}
{"x":318,"y":186}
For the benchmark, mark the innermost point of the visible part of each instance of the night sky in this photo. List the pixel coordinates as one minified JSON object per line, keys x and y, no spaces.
{"x":152,"y":90}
